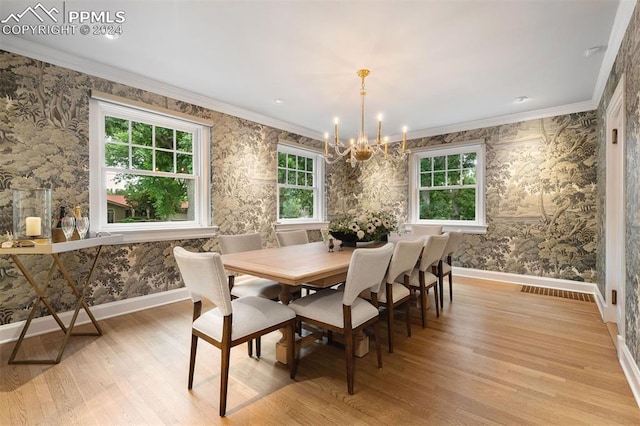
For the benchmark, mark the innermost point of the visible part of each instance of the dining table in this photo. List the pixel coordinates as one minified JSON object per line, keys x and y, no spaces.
{"x":292,"y":266}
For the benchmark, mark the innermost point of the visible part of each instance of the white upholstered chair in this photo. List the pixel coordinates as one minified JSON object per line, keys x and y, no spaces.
{"x":291,"y":238}
{"x":422,"y":277}
{"x":231,"y":322}
{"x":426,"y":229}
{"x":455,"y":237}
{"x":343,"y":311}
{"x":395,"y":289}
{"x":248,"y":285}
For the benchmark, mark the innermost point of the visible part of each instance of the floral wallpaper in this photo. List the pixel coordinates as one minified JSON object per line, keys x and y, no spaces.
{"x":627,"y":63}
{"x":44,"y":142}
{"x":541,"y":190}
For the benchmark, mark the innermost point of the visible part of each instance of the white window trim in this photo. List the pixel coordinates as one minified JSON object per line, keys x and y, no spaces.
{"x":319,"y":221}
{"x":479,"y":226}
{"x":200,"y":227}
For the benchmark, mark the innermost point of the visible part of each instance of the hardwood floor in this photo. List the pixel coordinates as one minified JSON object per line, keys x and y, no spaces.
{"x":495,"y":356}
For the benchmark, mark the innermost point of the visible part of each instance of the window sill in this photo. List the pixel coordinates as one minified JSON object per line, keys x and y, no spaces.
{"x":150,"y":235}
{"x":467,"y":229}
{"x":311,"y":225}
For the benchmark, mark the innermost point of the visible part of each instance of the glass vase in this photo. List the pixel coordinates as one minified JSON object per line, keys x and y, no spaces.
{"x":32,"y":214}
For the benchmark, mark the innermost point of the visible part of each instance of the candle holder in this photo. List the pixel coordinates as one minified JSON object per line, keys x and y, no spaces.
{"x":32,"y":215}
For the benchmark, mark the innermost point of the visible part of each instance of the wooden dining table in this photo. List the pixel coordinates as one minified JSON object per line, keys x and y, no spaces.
{"x":292,"y":266}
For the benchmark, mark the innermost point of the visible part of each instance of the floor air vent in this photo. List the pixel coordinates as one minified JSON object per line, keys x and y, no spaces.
{"x":584,"y":297}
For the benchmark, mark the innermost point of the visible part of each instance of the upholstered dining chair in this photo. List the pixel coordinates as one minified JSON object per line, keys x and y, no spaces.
{"x":395,"y":289}
{"x":248,"y":285}
{"x":291,"y":238}
{"x":426,"y":229}
{"x":422,"y":278}
{"x":343,"y":311}
{"x":445,"y":266}
{"x":231,"y":322}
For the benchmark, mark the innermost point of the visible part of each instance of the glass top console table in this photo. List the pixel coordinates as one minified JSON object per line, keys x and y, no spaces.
{"x":54,"y":250}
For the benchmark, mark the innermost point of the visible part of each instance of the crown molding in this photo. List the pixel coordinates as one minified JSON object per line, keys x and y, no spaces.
{"x":56,"y":57}
{"x":618,"y":30}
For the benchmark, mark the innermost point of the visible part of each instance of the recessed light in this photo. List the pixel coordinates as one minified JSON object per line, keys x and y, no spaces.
{"x":593,"y":50}
{"x":279,"y":100}
{"x":520,"y":99}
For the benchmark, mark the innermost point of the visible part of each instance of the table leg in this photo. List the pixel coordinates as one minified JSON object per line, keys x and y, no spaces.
{"x":40,"y":292}
{"x":281,"y":346}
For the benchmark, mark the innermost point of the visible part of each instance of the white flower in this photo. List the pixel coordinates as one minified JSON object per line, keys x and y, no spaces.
{"x":386,"y":224}
{"x":360,"y":234}
{"x":371,"y":228}
{"x":354,"y":227}
{"x":376,"y":221}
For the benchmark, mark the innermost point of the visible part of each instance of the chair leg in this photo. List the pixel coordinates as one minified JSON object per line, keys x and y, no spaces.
{"x":258,"y":346}
{"x":390,"y":325}
{"x":224,"y":377}
{"x":435,"y":295}
{"x":407,"y":310}
{"x":292,"y":359}
{"x":376,"y":334}
{"x":348,"y":342}
{"x":423,"y":303}
{"x":441,"y":283}
{"x":450,"y":287}
{"x":192,"y":360}
{"x":250,"y":348}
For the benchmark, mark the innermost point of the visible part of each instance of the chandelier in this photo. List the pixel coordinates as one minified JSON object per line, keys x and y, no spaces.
{"x":360,"y":150}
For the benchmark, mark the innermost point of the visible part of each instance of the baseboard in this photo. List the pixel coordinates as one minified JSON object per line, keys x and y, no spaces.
{"x":556,"y":283}
{"x":602,"y":306}
{"x":630,"y":368}
{"x":46,"y":324}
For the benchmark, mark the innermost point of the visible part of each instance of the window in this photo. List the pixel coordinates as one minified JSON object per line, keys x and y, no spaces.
{"x":300,"y":185}
{"x":149,"y":171}
{"x":447,"y":187}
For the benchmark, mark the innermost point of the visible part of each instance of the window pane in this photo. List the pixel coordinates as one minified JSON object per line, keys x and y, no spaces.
{"x":469,"y":160}
{"x":282,"y":176}
{"x":116,"y":129}
{"x":185,"y":141}
{"x":141,"y":158}
{"x":164,"y":161}
{"x":439,"y":179}
{"x":291,"y":161}
{"x":453,"y":178}
{"x":302,"y":178}
{"x":453,"y":161}
{"x":116,"y":155}
{"x":302,"y":163}
{"x":309,"y":164}
{"x":282,"y":159}
{"x":185,"y":163}
{"x":310,"y":179}
{"x":425,"y":164}
{"x":439,"y":163}
{"x":141,"y":134}
{"x":164,"y":138}
{"x":295,"y":203}
{"x":448,"y":204}
{"x":425,"y":179}
{"x":291,"y":177}
{"x":469,"y":177}
{"x":135,"y":198}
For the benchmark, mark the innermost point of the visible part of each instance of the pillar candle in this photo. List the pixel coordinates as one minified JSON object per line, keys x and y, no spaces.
{"x":34,"y":226}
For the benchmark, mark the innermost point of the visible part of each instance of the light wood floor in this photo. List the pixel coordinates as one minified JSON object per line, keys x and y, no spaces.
{"x":496,"y":356}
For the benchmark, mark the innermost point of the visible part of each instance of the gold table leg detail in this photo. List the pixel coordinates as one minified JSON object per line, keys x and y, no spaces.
{"x":40,"y":292}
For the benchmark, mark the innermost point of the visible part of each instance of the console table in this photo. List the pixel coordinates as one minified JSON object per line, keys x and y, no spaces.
{"x":54,"y":250}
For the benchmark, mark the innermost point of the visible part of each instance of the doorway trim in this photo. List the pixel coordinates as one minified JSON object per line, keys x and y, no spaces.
{"x":615,"y":208}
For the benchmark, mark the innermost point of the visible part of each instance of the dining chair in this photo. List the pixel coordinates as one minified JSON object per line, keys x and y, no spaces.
{"x":343,"y":311}
{"x":231,"y":322}
{"x":444,"y":265}
{"x":426,"y":229}
{"x":394,"y":291}
{"x":422,"y":277}
{"x":248,"y":285}
{"x":293,"y":237}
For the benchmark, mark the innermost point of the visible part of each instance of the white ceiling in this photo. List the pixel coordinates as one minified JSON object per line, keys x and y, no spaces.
{"x":436,"y":66}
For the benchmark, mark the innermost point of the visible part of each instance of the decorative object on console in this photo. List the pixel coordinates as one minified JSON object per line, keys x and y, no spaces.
{"x":32,"y":214}
{"x":359,"y":150}
{"x":369,"y":226}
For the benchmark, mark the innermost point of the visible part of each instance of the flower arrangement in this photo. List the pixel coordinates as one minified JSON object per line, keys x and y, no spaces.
{"x":369,"y":226}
